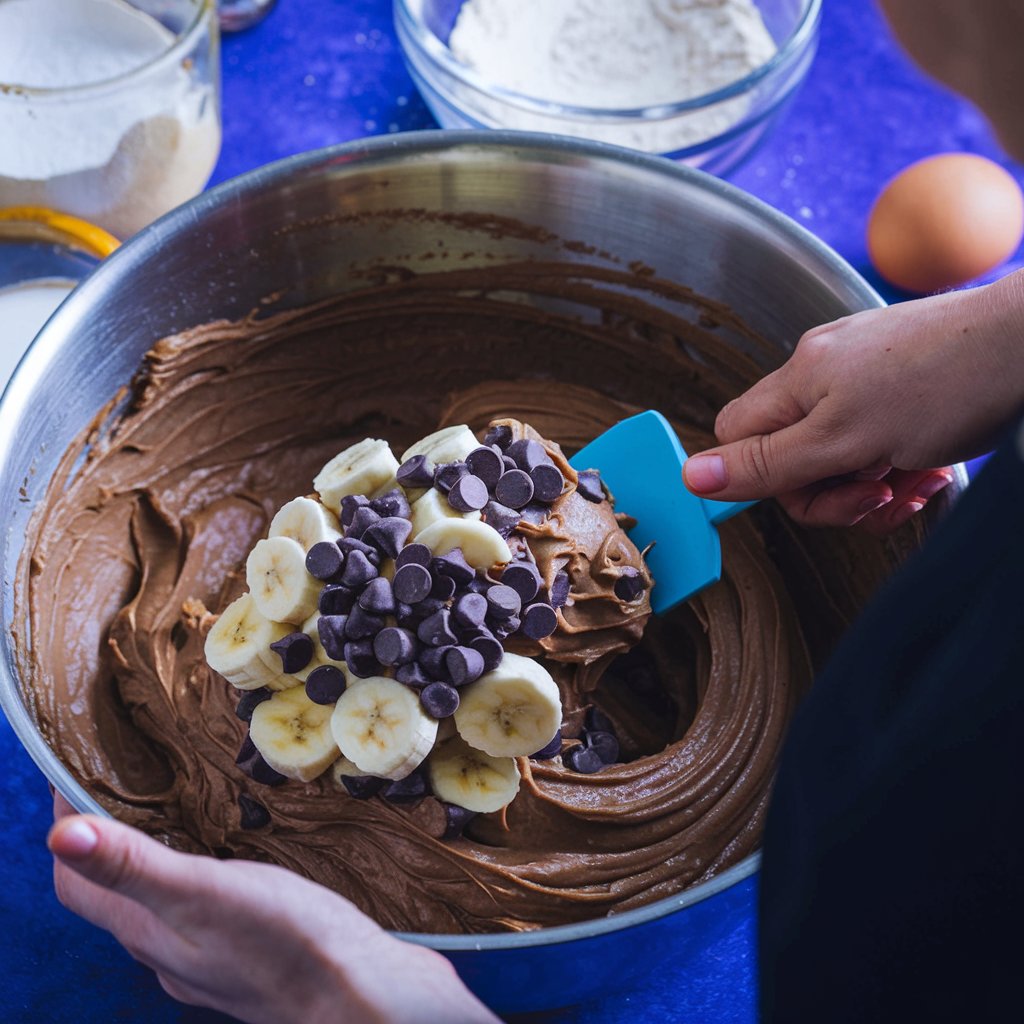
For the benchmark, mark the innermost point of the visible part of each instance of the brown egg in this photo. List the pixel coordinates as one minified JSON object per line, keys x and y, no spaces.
{"x":943,"y":221}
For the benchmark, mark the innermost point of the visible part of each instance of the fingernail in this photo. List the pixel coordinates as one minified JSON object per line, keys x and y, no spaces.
{"x":932,"y":485}
{"x":705,"y":473}
{"x":74,"y":840}
{"x":900,"y":515}
{"x":873,"y":503}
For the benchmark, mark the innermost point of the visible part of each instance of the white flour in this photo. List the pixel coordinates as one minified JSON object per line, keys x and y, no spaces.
{"x":120,"y":156}
{"x":616,"y":54}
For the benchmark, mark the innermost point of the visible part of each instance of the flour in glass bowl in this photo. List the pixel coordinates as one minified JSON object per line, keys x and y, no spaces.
{"x":118,"y":155}
{"x":616,"y":55}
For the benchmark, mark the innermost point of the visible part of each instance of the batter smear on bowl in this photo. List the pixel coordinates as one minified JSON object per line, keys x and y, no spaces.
{"x":142,"y":542}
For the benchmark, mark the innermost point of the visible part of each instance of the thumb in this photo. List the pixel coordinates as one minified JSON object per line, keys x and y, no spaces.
{"x":763,"y":465}
{"x":123,"y":860}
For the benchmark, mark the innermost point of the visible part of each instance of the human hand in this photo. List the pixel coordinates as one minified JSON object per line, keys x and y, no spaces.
{"x":252,"y":940}
{"x":852,"y":427}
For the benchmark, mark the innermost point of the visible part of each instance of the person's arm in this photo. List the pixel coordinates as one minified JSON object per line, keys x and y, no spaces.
{"x":854,"y":424}
{"x":251,"y":940}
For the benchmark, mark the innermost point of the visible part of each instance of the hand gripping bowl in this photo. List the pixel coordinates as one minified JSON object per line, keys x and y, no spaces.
{"x":303,"y":229}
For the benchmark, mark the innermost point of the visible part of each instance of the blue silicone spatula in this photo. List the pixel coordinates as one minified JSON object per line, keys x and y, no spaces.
{"x":641,"y":461}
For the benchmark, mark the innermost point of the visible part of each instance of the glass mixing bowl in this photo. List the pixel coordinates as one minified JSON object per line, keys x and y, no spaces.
{"x":715,"y":131}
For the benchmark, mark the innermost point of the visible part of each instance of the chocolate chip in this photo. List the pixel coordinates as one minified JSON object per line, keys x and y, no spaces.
{"x":479,"y":584}
{"x":412,"y":583}
{"x":503,"y":602}
{"x":551,"y":749}
{"x":448,"y":474}
{"x":358,"y":571}
{"x":350,"y":504}
{"x":507,"y":628}
{"x":524,"y":578}
{"x":535,"y":513}
{"x":439,"y":700}
{"x":349,"y":544}
{"x":630,"y":585}
{"x":583,"y":760}
{"x":389,"y":535}
{"x":470,"y":610}
{"x":362,"y":787}
{"x":456,"y":820}
{"x":406,"y":791}
{"x":427,"y":607}
{"x":491,"y":650}
{"x":514,"y":489}
{"x":443,"y":588}
{"x":296,"y":651}
{"x":331,"y":629}
{"x":324,"y":559}
{"x":325,"y":684}
{"x":500,"y":434}
{"x":528,"y":454}
{"x":468,"y":494}
{"x":361,"y":624}
{"x":394,"y":504}
{"x":509,"y":462}
{"x":436,"y":630}
{"x":432,"y":660}
{"x":377,"y":597}
{"x":417,"y":471}
{"x":560,"y":586}
{"x":364,"y":518}
{"x":413,"y":554}
{"x":254,"y":814}
{"x":539,"y":621}
{"x":596,"y":720}
{"x":548,"y":483}
{"x":604,"y":744}
{"x":454,"y":564}
{"x":336,"y":599}
{"x":464,"y":665}
{"x":413,"y":674}
{"x":395,"y":646}
{"x":589,"y":485}
{"x":360,"y":659}
{"x":501,"y":518}
{"x":251,"y":761}
{"x":249,"y":700}
{"x":487,"y":464}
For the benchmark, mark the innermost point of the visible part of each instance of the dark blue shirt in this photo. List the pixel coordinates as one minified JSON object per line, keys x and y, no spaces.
{"x":892,"y":886}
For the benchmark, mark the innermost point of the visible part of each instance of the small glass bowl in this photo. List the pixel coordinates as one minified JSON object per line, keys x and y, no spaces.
{"x":715,"y":131}
{"x":122,"y":150}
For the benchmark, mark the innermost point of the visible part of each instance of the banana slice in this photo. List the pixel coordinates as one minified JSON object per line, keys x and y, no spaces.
{"x":512,"y":711}
{"x":362,"y":469}
{"x":344,"y":768}
{"x":278,"y":581}
{"x":451,"y":444}
{"x":471,"y":778}
{"x":481,"y":544}
{"x":380,"y":726}
{"x":433,"y":507}
{"x":294,"y":735}
{"x":238,"y":646}
{"x":305,"y":520}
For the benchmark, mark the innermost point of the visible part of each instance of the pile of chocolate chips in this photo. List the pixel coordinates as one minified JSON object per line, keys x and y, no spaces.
{"x":599,"y":746}
{"x":506,"y":481}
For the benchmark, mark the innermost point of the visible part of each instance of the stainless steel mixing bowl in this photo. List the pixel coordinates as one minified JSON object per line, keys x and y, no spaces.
{"x":300,"y":225}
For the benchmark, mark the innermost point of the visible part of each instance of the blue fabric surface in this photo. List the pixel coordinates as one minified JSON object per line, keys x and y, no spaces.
{"x":318,"y":72}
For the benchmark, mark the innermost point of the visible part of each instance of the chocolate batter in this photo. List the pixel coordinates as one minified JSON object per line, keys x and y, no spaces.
{"x":229,"y":420}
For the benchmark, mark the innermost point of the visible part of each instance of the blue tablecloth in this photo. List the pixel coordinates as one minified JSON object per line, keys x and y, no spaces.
{"x":318,"y":72}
